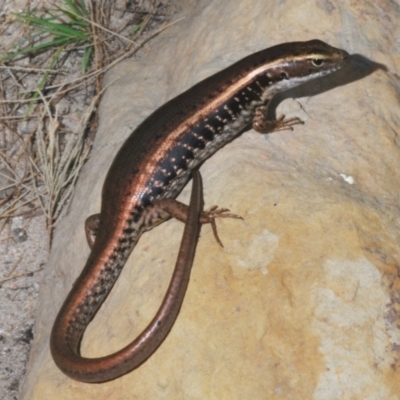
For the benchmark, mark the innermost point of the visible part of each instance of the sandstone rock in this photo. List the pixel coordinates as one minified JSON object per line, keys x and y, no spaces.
{"x":303,"y":300}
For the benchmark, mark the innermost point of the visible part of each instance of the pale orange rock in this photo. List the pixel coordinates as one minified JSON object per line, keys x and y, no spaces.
{"x":303,"y":300}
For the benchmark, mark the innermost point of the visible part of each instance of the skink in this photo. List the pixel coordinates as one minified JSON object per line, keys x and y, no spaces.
{"x":151,"y":169}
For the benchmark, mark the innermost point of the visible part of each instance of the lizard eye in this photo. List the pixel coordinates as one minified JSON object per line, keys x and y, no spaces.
{"x":317,"y":62}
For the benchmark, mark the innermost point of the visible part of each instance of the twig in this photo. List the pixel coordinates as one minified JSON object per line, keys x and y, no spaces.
{"x":29,"y":69}
{"x":19,"y":275}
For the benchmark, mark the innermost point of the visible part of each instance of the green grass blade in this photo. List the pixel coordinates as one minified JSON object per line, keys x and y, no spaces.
{"x":55,"y":28}
{"x":77,"y":10}
{"x":84,"y":9}
{"x":135,"y":28}
{"x":38,"y":48}
{"x":60,"y":26}
{"x":74,"y":20}
{"x":86,"y":58}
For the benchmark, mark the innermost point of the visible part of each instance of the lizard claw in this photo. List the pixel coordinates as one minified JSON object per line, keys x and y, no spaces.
{"x":215,"y":212}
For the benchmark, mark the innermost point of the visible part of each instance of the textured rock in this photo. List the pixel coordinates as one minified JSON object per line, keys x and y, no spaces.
{"x":303,"y":300}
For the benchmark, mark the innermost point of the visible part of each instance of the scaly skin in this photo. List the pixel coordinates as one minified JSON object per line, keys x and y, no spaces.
{"x":153,"y":166}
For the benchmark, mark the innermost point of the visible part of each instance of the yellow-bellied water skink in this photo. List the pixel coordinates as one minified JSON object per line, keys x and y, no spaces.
{"x":150,"y":170}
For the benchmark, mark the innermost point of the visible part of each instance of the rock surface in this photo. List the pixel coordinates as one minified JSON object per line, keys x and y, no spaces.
{"x":303,"y":300}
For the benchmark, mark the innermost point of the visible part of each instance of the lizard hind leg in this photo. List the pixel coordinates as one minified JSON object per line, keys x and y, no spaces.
{"x":176,"y":209}
{"x":159,"y":212}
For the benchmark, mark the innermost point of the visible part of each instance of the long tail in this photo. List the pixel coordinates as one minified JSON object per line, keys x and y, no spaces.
{"x":65,"y":351}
